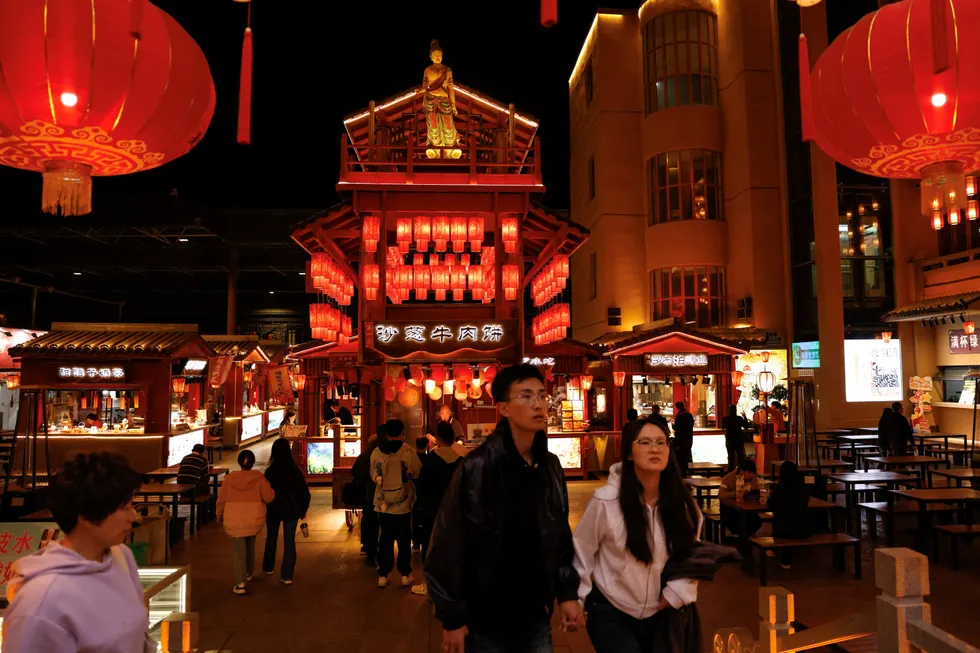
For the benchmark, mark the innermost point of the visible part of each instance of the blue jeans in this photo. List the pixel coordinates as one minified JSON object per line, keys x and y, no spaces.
{"x":288,"y":547}
{"x":536,"y":638}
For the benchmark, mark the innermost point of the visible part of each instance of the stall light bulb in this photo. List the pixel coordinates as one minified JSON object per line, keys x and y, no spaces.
{"x":69,"y":99}
{"x":477,"y":382}
{"x":938,"y":100}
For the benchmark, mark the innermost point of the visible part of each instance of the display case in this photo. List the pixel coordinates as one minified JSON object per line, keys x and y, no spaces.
{"x":274,"y":420}
{"x":572,"y":416}
{"x":181,"y":443}
{"x":709,"y":447}
{"x":571,"y":449}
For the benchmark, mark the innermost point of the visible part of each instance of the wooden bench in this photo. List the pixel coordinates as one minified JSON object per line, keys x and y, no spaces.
{"x":713,"y":530}
{"x":836,"y":541}
{"x":955,"y":532}
{"x":875,"y":508}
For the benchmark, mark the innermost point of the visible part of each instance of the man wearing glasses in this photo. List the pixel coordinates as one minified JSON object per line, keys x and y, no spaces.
{"x":501,"y":552}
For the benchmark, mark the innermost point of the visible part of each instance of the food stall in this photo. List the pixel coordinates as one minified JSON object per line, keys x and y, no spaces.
{"x":131,"y":377}
{"x":246,"y":410}
{"x":670,"y":363}
{"x":10,"y":374}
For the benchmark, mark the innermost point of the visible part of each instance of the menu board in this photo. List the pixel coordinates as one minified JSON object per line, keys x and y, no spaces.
{"x":873,"y":370}
{"x":319,"y":457}
{"x":568,"y":450}
{"x":969,"y":392}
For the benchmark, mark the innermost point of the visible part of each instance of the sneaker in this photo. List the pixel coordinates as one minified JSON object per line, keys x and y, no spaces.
{"x":407,"y":581}
{"x":248,"y":578}
{"x":422,"y":589}
{"x":239,"y":589}
{"x":267,"y":573}
{"x":285,"y":582}
{"x":382,"y":581}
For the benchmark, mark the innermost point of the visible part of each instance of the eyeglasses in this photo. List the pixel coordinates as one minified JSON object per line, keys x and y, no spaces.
{"x":644,"y":444}
{"x":531,"y":398}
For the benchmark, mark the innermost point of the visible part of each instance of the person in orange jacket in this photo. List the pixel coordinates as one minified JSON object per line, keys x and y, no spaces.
{"x":241,"y":509}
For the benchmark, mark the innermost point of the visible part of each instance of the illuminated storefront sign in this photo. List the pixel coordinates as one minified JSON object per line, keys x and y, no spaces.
{"x":195,"y":366}
{"x":677,"y":360}
{"x":400,"y":339}
{"x":89,"y":373}
{"x":873,"y":370}
{"x":538,"y":362}
{"x":962,"y":343}
{"x":806,"y":354}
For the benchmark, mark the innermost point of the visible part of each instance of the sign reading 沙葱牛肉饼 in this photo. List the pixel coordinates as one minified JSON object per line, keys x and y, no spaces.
{"x":677,"y":360}
{"x":86,"y":373}
{"x":401,"y":339}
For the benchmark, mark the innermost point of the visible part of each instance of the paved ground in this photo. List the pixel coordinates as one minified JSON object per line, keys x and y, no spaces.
{"x":334,"y":604}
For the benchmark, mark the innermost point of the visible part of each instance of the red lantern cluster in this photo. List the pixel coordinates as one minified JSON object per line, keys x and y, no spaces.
{"x":458,"y":230}
{"x":329,"y":324}
{"x":329,"y":279}
{"x":552,"y":324}
{"x":550,"y":281}
{"x":451,"y":273}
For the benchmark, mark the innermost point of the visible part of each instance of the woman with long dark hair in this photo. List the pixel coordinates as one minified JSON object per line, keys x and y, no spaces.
{"x":290,"y":505}
{"x":642,"y":517}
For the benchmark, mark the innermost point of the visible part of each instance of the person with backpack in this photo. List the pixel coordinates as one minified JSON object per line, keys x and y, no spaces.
{"x":241,"y":509}
{"x":82,"y":593}
{"x":437,"y":472}
{"x":290,"y":505}
{"x":394,"y":467}
{"x":361,"y":493}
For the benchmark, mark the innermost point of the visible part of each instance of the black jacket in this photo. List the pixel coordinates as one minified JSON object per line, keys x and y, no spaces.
{"x":886,"y":428}
{"x":292,"y":494}
{"x":684,"y":428}
{"x":434,"y":479}
{"x":901,"y":432}
{"x":469,"y":529}
{"x":735,"y":426}
{"x":790,"y":512}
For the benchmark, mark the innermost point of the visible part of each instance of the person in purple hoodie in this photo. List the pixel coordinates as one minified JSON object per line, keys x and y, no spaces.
{"x":83,"y":593}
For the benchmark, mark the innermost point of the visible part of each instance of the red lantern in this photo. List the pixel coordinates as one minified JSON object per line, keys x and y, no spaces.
{"x":179,"y":385}
{"x":619,"y":378}
{"x":372,"y":281}
{"x":458,"y":233}
{"x":457,"y":276}
{"x":13,"y":381}
{"x":511,"y":279}
{"x":423,"y":232}
{"x":405,"y":282}
{"x":489,"y":283}
{"x":423,"y":279}
{"x":299,"y":382}
{"x":969,"y":328}
{"x":917,"y":120}
{"x":765,"y":356}
{"x":737,"y":378}
{"x":972,"y":209}
{"x":371,"y":233}
{"x":476,"y":281}
{"x":549,"y":12}
{"x":586,"y":382}
{"x":488,"y":256}
{"x":440,"y":281}
{"x":475,"y":231}
{"x":937,"y":220}
{"x":440,"y":232}
{"x":954,"y":217}
{"x":403,"y":235}
{"x":886,"y":336}
{"x":93,"y":90}
{"x":508,"y":233}
{"x":971,"y":186}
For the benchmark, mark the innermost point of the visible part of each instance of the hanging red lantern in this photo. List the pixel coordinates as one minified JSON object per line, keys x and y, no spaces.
{"x":423,"y":279}
{"x":586,"y":382}
{"x":372,"y":281}
{"x":179,"y":385}
{"x":440,"y":232}
{"x":954,"y":217}
{"x":619,"y":378}
{"x":737,"y":378}
{"x":508,"y":233}
{"x":371,"y":233}
{"x":511,"y":279}
{"x":143,"y":97}
{"x":972,"y":209}
{"x":475,"y":233}
{"x":423,"y":232}
{"x":457,"y":278}
{"x":440,"y":281}
{"x":476,"y":281}
{"x":299,"y":382}
{"x":937,"y":220}
{"x":488,"y":256}
{"x":438,"y":374}
{"x":765,"y":356}
{"x":458,"y":233}
{"x":403,"y":235}
{"x":13,"y":381}
{"x":549,"y":12}
{"x":406,"y":281}
{"x":971,"y":186}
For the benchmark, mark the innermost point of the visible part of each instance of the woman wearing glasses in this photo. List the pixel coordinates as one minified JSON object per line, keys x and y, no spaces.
{"x":641,"y":518}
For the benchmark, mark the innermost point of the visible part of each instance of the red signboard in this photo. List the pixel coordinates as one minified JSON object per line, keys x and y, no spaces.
{"x":420,"y":339}
{"x":961,"y":343}
{"x":218,"y":369}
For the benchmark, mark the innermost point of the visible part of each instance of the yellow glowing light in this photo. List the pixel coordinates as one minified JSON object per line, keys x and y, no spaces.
{"x":487,"y":102}
{"x":380,"y":108}
{"x":69,"y":99}
{"x":585,"y":48}
{"x":939,"y":100}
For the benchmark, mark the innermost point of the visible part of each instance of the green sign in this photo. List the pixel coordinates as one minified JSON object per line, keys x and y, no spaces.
{"x":806,"y":354}
{"x":22,"y":538}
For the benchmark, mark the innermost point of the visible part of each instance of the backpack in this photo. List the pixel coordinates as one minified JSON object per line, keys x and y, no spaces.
{"x":395,"y":488}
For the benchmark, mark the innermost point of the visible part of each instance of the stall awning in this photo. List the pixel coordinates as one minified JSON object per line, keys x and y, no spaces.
{"x":319,"y":348}
{"x":238,"y":347}
{"x":934,"y":307}
{"x":669,"y":338}
{"x":150,"y":344}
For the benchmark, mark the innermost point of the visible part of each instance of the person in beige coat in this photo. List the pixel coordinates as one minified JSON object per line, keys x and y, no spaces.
{"x":241,"y":509}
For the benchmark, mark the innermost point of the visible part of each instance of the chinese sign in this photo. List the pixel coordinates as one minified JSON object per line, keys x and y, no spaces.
{"x":806,"y":354}
{"x":91,"y":373}
{"x":218,"y":369}
{"x":677,"y":360}
{"x":401,"y":339}
{"x":961,"y":343}
{"x":279,"y":385}
{"x":19,"y":539}
{"x":538,"y":362}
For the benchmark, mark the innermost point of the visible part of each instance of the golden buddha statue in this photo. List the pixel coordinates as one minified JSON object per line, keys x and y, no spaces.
{"x":439,"y":104}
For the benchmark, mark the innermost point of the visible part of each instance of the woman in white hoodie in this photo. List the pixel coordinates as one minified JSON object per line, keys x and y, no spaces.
{"x":643,"y":516}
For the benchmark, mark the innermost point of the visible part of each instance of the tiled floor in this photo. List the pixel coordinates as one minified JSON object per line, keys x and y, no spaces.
{"x":334,"y":604}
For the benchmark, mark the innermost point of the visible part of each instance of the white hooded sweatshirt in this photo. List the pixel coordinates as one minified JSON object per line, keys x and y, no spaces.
{"x":601,"y":555}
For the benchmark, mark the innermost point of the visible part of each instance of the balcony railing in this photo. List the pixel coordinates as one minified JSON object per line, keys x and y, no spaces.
{"x":466,"y":163}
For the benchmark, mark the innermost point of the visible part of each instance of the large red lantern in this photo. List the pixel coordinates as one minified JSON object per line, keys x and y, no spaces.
{"x":371,"y":233}
{"x":895,"y":96}
{"x":403,"y":235}
{"x":440,"y":232}
{"x":508,"y":233}
{"x":475,"y":233}
{"x":459,"y":232}
{"x":423,"y":232}
{"x":372,"y":281}
{"x":511,"y":279}
{"x":90,"y":88}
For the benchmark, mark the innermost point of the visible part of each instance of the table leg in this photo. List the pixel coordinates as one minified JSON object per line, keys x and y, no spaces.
{"x":743,"y":536}
{"x":176,"y":503}
{"x":920,"y":537}
{"x":852,"y":511}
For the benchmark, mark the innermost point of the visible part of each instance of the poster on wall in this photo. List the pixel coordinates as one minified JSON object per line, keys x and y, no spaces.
{"x":806,"y":355}
{"x":751,"y":364}
{"x":873,"y":371}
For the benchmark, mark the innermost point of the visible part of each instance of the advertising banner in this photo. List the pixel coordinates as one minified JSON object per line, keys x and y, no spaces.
{"x":873,"y":371}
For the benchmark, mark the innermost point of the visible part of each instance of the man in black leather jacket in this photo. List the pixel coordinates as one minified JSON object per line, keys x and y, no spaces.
{"x":501,"y":550}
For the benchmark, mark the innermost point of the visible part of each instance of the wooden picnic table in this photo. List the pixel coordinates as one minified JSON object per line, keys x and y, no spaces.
{"x":753,"y":506}
{"x":852,"y":479}
{"x":959,"y":475}
{"x":166,"y":473}
{"x":959,"y":496}
{"x":806,"y":466}
{"x":834,"y":432}
{"x":923,"y":439}
{"x":854,"y":441}
{"x":171,"y":491}
{"x":702,"y":486}
{"x":920,"y":462}
{"x":707,"y":469}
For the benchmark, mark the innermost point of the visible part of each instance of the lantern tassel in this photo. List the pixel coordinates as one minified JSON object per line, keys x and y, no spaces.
{"x":806,"y":92}
{"x":67,"y":188}
{"x":549,"y":12}
{"x":245,"y":91}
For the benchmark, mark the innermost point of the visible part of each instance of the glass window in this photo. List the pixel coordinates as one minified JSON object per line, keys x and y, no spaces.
{"x":694,"y":294}
{"x":685,"y":185}
{"x":679,"y":60}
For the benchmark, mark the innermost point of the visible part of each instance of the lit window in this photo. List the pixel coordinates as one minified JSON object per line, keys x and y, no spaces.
{"x":685,"y":185}
{"x":680,"y":60}
{"x":694,"y":294}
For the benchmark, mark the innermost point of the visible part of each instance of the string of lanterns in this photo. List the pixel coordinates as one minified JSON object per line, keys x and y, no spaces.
{"x":327,"y":323}
{"x":450,"y":273}
{"x":462,"y":382}
{"x":552,"y":324}
{"x":328,"y":278}
{"x":550,"y":281}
